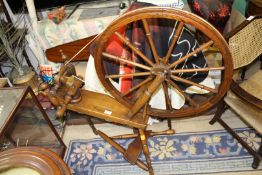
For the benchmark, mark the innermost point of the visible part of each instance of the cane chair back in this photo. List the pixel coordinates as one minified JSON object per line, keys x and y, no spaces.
{"x":246,"y":44}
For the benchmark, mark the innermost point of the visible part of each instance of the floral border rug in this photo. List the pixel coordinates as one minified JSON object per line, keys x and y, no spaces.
{"x":183,"y":153}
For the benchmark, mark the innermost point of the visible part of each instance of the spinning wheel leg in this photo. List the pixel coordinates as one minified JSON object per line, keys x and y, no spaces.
{"x":129,"y":136}
{"x":91,"y":124}
{"x":143,"y":136}
{"x":119,"y":148}
{"x":146,"y":151}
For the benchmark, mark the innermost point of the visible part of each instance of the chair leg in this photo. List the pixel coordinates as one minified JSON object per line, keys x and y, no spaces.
{"x":220,"y":110}
{"x":260,"y":57}
{"x":257,"y":157}
{"x":243,"y":74}
{"x":146,"y":151}
{"x":217,"y":118}
{"x":169,"y":123}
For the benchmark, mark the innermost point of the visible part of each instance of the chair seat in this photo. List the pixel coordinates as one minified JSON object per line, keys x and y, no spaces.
{"x":253,"y":85}
{"x":249,"y":113}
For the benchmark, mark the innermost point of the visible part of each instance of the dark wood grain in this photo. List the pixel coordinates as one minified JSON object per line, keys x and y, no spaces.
{"x":69,"y":50}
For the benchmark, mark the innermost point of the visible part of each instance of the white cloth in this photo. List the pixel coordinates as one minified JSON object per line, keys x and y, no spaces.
{"x":92,"y":82}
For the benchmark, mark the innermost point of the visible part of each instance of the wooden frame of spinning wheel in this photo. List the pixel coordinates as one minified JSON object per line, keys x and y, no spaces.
{"x":161,"y":77}
{"x":159,"y":71}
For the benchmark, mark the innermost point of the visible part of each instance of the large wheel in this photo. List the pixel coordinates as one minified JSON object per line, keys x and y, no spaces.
{"x":149,"y":72}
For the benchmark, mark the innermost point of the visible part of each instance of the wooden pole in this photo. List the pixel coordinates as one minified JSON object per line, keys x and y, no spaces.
{"x":137,"y":74}
{"x":131,"y":46}
{"x":151,"y":43}
{"x":145,"y":97}
{"x":177,"y":71}
{"x":125,"y":60}
{"x":193,"y":83}
{"x":174,"y":41}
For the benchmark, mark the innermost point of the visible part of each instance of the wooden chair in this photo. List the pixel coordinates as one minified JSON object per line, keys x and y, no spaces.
{"x":245,"y":98}
{"x":132,"y":108}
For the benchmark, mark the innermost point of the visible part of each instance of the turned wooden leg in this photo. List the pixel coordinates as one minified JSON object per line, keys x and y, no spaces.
{"x":257,"y":157}
{"x":122,"y":150}
{"x":146,"y":151}
{"x":219,"y":112}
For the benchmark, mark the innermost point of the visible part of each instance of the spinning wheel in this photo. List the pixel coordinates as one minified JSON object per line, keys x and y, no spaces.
{"x":149,"y":72}
{"x":147,"y":59}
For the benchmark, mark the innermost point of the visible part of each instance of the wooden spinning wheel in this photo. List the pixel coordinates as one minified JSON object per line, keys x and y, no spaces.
{"x":154,"y":70}
{"x":150,"y":54}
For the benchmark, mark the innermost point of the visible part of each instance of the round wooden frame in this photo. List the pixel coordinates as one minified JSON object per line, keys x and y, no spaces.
{"x":40,"y":159}
{"x":183,"y":17}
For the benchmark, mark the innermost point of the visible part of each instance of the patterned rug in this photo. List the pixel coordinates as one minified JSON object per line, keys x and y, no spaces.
{"x":185,"y":153}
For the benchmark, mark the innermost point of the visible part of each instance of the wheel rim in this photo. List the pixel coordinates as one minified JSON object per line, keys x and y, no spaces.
{"x":155,"y":66}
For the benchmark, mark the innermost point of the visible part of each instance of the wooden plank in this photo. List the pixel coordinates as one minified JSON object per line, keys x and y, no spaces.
{"x":69,"y":50}
{"x":107,"y":108}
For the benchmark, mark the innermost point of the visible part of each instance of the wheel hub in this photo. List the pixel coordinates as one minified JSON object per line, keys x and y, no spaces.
{"x":161,"y":69}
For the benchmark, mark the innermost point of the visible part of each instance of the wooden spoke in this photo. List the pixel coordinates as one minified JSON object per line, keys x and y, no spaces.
{"x":145,"y":97}
{"x":174,"y":41}
{"x":193,"y":83}
{"x":138,"y":86}
{"x":197,"y":70}
{"x":168,"y":100}
{"x":164,"y":72}
{"x":125,"y":61}
{"x":129,"y":75}
{"x":131,"y":46}
{"x":190,"y":100}
{"x":202,"y":47}
{"x":149,"y":37}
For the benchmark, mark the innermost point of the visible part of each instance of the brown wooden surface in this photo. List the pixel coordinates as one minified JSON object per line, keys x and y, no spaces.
{"x":185,"y":18}
{"x":99,"y":105}
{"x":40,"y":159}
{"x":69,"y":50}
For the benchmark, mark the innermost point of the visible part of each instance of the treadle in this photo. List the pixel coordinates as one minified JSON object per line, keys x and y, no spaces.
{"x":105,"y":107}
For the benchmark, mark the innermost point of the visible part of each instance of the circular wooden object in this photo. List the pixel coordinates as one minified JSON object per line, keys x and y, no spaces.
{"x":24,"y":79}
{"x":42,"y":160}
{"x":158,"y":69}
